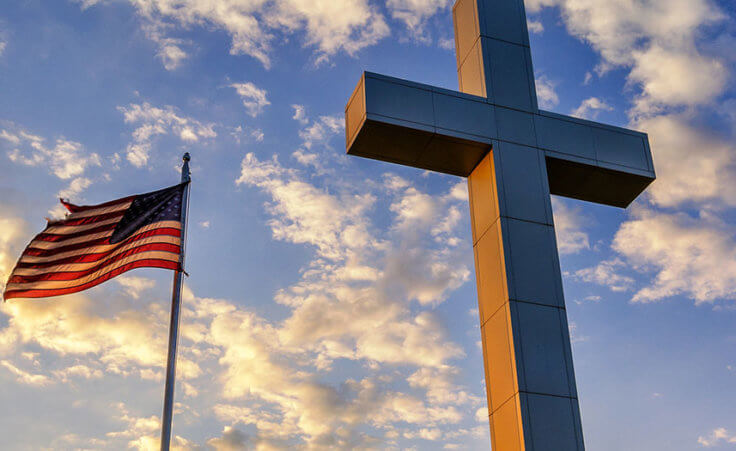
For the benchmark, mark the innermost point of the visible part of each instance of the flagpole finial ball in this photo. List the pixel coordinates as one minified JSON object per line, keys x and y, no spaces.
{"x":186,"y":157}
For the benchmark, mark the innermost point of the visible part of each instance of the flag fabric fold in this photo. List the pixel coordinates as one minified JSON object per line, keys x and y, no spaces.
{"x":95,"y":243}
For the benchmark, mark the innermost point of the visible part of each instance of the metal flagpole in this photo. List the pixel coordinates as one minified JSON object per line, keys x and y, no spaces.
{"x":175,"y":308}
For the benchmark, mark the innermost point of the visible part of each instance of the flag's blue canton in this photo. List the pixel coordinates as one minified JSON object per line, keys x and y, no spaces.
{"x":162,"y":205}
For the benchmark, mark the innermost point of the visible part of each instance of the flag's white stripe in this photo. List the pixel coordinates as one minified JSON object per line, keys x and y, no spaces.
{"x":57,"y":284}
{"x":65,"y":230}
{"x":100,"y":210}
{"x":99,"y":248}
{"x":40,"y":244}
{"x":67,"y":267}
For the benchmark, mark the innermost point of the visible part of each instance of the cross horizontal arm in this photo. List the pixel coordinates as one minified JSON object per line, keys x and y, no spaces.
{"x":418,"y":125}
{"x":594,"y":162}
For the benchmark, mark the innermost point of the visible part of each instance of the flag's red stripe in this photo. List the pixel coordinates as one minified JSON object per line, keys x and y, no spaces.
{"x":42,"y":293}
{"x":87,"y":219}
{"x":60,"y":285}
{"x":35,"y":252}
{"x":77,"y":208}
{"x":71,"y":275}
{"x":50,"y":284}
{"x":55,"y":237}
{"x":84,"y":258}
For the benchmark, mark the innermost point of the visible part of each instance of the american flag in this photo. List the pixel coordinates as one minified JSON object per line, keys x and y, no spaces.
{"x":95,"y":243}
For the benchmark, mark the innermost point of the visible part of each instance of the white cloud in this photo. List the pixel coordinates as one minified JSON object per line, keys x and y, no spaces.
{"x":13,"y":231}
{"x":7,"y":136}
{"x":590,"y":107}
{"x":257,"y":134}
{"x":657,"y":40}
{"x":142,"y":433}
{"x":254,"y":98}
{"x":170,"y":50}
{"x":316,"y":137}
{"x":546,"y":93}
{"x":481,"y":415}
{"x":256,"y":372}
{"x":231,"y":440}
{"x":591,"y":298}
{"x":414,"y":13}
{"x":688,"y":176}
{"x":87,"y":3}
{"x":153,"y":121}
{"x":414,"y":209}
{"x":535,"y":26}
{"x":716,"y":437}
{"x":395,"y":183}
{"x":321,"y":130}
{"x":75,"y":187}
{"x":575,"y":336}
{"x":440,"y":387}
{"x":305,"y":214}
{"x":3,"y":41}
{"x":307,"y":158}
{"x":171,"y":54}
{"x":300,"y":114}
{"x":136,"y":426}
{"x":135,"y":285}
{"x":446,"y":43}
{"x":254,"y":25}
{"x":588,"y":78}
{"x":239,"y":132}
{"x":676,"y":77}
{"x":695,"y":257}
{"x":24,"y":377}
{"x":124,"y":341}
{"x":607,"y":273}
{"x":568,"y":223}
{"x":533,"y":6}
{"x":335,"y":313}
{"x":432,"y":434}
{"x":294,"y":405}
{"x":66,"y":159}
{"x":317,"y":411}
{"x":77,"y":372}
{"x":72,"y":191}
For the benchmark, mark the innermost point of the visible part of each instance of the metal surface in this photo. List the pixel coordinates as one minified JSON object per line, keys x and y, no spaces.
{"x":418,"y":125}
{"x":167,"y":418}
{"x":515,"y":156}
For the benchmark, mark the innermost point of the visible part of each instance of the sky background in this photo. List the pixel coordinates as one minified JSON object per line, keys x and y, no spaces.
{"x":332,"y":301}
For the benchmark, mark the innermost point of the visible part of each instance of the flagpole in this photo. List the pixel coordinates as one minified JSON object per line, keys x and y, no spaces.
{"x":175,"y":309}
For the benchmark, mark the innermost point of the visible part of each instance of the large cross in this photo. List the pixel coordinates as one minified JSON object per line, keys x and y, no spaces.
{"x":514,"y":156}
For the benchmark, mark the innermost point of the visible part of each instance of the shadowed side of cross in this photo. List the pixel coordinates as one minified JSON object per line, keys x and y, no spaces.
{"x":514,"y":156}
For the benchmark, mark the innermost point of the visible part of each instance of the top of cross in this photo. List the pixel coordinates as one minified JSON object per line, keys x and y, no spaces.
{"x":493,"y":54}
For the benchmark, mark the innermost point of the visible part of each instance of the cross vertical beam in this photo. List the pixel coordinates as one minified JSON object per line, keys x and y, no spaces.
{"x":530,"y":382}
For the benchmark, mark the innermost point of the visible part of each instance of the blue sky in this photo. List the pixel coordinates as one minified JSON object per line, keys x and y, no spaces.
{"x":332,"y":301}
